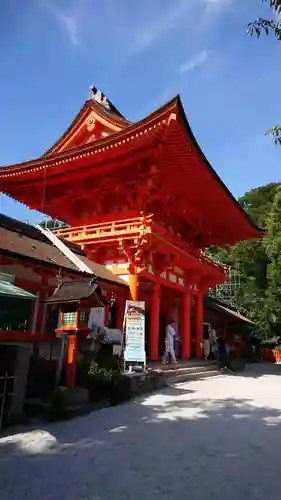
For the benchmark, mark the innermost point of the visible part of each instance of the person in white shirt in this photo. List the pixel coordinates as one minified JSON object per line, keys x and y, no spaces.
{"x":170,"y":342}
{"x":206,"y":340}
{"x":213,"y":341}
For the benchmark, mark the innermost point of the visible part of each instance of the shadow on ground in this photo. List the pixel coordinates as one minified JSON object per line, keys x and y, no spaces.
{"x":256,"y":370}
{"x":204,"y":440}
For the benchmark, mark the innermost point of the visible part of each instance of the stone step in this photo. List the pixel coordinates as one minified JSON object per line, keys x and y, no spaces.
{"x":181,"y":369}
{"x":185,"y":377}
{"x":191,"y":370}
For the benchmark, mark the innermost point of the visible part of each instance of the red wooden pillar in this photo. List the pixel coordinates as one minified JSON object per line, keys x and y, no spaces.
{"x":199,"y":325}
{"x":154,"y":324}
{"x":71,"y":361}
{"x":134,"y":286}
{"x":169,"y":309}
{"x":185,"y":325}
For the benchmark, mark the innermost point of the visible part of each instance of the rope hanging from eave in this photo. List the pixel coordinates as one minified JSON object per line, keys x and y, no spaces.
{"x":59,"y":282}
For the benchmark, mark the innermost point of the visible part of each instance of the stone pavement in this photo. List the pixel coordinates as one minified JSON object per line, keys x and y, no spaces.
{"x":210,"y":439}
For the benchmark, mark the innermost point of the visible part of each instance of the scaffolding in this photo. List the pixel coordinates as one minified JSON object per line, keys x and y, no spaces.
{"x":228,"y":291}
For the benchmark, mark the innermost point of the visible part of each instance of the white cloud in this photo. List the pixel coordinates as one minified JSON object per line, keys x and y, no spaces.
{"x":135,"y":26}
{"x":164,"y":23}
{"x":151,"y":21}
{"x":68,"y":21}
{"x":194,"y":62}
{"x":218,"y":3}
{"x":216,"y":7}
{"x":71,"y":27}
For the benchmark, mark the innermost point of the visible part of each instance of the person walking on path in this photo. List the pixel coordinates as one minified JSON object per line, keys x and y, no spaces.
{"x":206,"y":341}
{"x":223,"y":359}
{"x":213,"y":342}
{"x":170,"y":342}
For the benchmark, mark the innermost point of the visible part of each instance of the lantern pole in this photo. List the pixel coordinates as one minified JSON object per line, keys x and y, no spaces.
{"x":60,"y":362}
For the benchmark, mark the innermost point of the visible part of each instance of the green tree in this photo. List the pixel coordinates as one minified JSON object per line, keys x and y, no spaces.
{"x":252,"y":259}
{"x":268,"y":27}
{"x":273,"y":248}
{"x":53,"y":224}
{"x":258,"y":203}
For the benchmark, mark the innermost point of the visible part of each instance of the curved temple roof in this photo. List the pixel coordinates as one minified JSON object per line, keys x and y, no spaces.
{"x":165,"y":136}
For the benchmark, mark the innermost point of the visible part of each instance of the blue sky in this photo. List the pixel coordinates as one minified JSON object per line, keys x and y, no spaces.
{"x":141,"y":53}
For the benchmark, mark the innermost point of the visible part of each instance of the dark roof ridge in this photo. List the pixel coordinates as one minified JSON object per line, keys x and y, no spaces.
{"x":31,"y":231}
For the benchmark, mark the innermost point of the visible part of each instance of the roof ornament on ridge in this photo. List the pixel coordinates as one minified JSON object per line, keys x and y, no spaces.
{"x":98,"y":96}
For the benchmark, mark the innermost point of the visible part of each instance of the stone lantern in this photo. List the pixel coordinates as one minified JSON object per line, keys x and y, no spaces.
{"x":75,"y":299}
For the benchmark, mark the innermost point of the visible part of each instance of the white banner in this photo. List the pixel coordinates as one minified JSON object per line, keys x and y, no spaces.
{"x":134,"y":332}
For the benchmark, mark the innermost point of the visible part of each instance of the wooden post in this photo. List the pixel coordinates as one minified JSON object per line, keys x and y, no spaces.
{"x":185,"y":325}
{"x":134,"y":286}
{"x":71,"y":361}
{"x":199,"y":325}
{"x":154,"y":324}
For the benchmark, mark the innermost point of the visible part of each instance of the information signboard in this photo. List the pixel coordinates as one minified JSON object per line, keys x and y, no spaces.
{"x":134,"y":332}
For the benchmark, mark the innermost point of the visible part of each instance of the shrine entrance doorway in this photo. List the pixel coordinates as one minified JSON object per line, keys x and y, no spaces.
{"x":168,"y":303}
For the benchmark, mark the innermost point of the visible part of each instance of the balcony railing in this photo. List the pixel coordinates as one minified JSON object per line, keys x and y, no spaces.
{"x":130,"y":229}
{"x":106,"y":231}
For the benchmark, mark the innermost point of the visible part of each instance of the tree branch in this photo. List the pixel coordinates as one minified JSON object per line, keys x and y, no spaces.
{"x":275,"y":132}
{"x":264,"y":26}
{"x":267,"y":26}
{"x":275,"y":5}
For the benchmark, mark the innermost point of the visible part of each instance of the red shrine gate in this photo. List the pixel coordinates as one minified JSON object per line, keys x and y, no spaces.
{"x":143,"y":200}
{"x":159,"y":268}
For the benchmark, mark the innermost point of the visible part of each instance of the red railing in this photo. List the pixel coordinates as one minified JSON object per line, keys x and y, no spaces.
{"x":129,"y":229}
{"x":106,"y":231}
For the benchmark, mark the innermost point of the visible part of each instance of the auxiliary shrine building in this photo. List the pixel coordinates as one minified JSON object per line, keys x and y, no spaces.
{"x":142,"y":199}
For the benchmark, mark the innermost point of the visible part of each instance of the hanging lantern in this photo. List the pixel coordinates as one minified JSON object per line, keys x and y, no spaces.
{"x":75,"y":299}
{"x":74,"y":318}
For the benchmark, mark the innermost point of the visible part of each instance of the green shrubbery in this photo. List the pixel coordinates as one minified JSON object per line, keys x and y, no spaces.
{"x":98,"y":379}
{"x":100,"y":375}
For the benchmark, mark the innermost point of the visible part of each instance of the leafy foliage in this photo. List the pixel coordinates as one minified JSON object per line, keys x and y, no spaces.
{"x":53,"y":224}
{"x":259,"y":261}
{"x":276,"y":134}
{"x":258,"y":202}
{"x":273,"y":247}
{"x":267,"y":26}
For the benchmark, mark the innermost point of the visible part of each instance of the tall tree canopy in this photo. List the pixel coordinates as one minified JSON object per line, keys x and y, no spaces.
{"x":273,"y":248}
{"x":258,"y":261}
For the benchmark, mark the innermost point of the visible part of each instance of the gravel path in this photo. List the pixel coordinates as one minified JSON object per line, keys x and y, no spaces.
{"x":211,"y":439}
